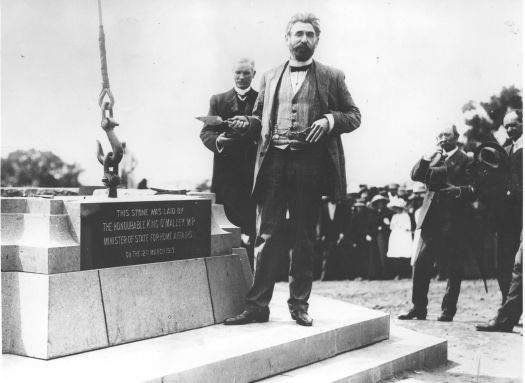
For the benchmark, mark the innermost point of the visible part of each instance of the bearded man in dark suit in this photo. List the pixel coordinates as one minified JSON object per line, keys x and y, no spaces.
{"x":302,"y":109}
{"x":234,"y":155}
{"x":443,"y":221}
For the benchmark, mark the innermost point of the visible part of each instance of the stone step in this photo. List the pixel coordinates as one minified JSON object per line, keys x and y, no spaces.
{"x":32,"y":205}
{"x":405,"y":350}
{"x":36,"y":229}
{"x":218,"y":353}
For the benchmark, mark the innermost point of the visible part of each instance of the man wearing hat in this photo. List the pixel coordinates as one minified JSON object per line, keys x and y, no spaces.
{"x":392,"y":190}
{"x":442,"y":221}
{"x":360,"y":239}
{"x":331,"y":228}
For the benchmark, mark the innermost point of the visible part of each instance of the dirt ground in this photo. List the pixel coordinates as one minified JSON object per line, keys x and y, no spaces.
{"x":473,"y":356}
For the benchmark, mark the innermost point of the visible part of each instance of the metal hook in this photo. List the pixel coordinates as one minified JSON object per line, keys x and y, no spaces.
{"x":103,"y":93}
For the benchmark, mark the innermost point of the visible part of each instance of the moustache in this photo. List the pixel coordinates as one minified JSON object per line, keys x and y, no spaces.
{"x":302,"y":45}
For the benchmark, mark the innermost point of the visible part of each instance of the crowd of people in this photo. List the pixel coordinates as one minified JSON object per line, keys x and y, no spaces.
{"x":370,"y":234}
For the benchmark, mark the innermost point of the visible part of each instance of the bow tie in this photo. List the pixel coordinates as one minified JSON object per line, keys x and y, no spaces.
{"x":300,"y":68}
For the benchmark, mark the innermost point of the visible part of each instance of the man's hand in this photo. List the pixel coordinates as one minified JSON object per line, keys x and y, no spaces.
{"x":431,"y":153}
{"x":224,"y":142}
{"x":456,"y":191}
{"x":319,"y":129}
{"x":239,"y":124}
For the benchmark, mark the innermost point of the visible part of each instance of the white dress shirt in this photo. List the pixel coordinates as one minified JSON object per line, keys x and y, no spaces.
{"x":451,"y":153}
{"x":518,"y":144}
{"x":241,"y":93}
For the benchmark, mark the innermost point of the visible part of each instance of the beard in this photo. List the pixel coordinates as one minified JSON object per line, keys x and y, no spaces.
{"x":447,"y":146}
{"x":302,"y":52}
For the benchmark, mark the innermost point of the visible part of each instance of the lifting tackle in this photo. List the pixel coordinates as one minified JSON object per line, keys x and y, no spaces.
{"x":106,"y":101}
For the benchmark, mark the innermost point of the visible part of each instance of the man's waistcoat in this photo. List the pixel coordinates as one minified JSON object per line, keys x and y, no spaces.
{"x":295,"y":112}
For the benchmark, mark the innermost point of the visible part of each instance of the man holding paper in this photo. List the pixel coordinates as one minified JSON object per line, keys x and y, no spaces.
{"x":234,"y":156}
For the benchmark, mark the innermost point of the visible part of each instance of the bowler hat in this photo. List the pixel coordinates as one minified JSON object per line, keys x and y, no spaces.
{"x":491,"y":154}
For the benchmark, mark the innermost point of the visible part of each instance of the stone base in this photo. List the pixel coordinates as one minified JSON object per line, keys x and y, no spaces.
{"x":48,"y":316}
{"x":42,"y":235}
{"x":219,"y":353}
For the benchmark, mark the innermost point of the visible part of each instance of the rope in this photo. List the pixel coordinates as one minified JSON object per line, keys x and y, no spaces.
{"x":99,"y":13}
{"x":106,"y":91}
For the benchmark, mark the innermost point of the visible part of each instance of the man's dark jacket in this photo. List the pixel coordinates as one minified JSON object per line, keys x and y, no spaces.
{"x":233,"y":166}
{"x":514,"y":198}
{"x":440,"y":210}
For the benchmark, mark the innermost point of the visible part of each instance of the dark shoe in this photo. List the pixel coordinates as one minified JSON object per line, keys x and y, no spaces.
{"x":444,"y":317}
{"x":414,"y":313}
{"x":492,"y":326}
{"x":248,"y":317}
{"x":302,"y":318}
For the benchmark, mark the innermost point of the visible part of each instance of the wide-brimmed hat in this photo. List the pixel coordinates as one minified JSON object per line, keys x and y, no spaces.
{"x":397,"y":202}
{"x":377,"y":197}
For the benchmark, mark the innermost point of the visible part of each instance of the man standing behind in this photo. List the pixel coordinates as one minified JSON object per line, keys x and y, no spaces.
{"x":442,"y":221}
{"x":234,"y":156}
{"x":510,"y":221}
{"x":302,"y":109}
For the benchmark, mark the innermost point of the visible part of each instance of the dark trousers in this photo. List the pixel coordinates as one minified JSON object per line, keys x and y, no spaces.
{"x":508,"y":244}
{"x":434,"y":244}
{"x":288,"y":181}
{"x":510,"y":312}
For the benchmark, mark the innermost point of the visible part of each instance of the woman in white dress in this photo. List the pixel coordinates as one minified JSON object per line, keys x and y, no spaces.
{"x":400,"y":244}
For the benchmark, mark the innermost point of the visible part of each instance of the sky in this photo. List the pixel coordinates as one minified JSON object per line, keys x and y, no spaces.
{"x":410,"y":66}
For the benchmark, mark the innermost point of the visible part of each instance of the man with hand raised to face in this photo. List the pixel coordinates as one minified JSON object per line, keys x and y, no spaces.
{"x":302,"y":109}
{"x":444,"y":223}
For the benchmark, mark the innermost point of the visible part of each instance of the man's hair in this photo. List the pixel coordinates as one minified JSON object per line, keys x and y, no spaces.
{"x":308,"y":18}
{"x":244,"y":60}
{"x":455,"y":131}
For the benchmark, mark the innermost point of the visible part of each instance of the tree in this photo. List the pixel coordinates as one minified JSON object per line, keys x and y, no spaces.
{"x":483,"y":123}
{"x":39,"y":169}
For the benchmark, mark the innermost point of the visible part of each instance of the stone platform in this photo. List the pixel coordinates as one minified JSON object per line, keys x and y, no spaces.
{"x":252,"y":352}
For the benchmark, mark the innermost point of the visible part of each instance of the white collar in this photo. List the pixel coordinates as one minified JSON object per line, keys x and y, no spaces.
{"x":242,"y":92}
{"x":518,"y":144}
{"x":294,"y":62}
{"x":451,"y":153}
